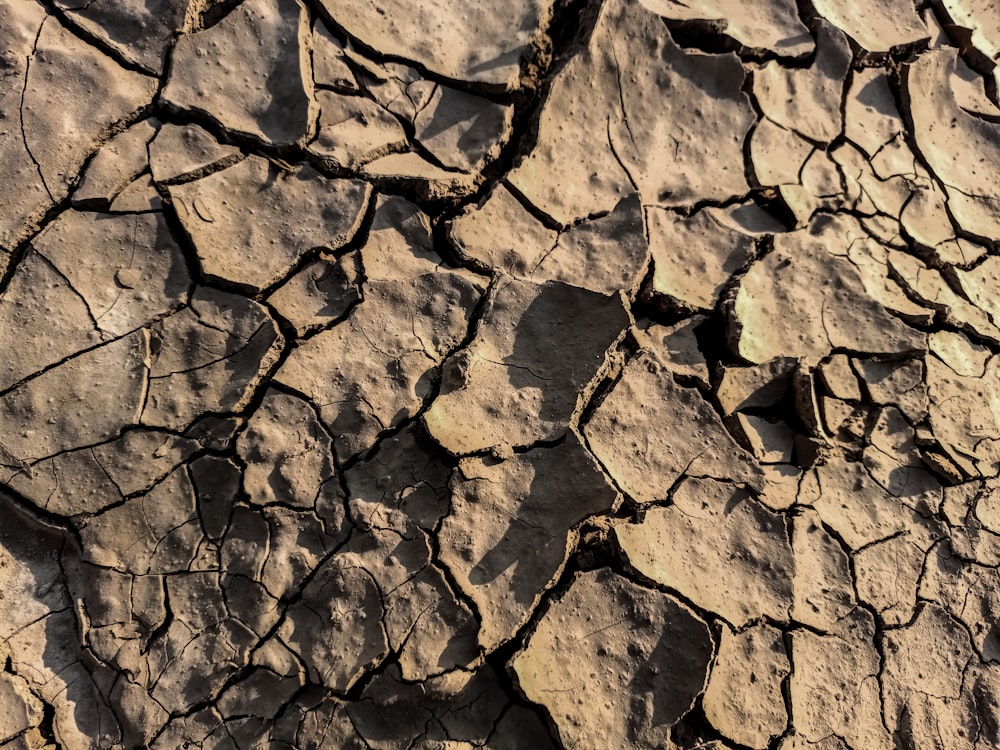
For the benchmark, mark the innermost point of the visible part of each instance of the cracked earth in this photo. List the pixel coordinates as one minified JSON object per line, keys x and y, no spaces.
{"x":538,"y":374}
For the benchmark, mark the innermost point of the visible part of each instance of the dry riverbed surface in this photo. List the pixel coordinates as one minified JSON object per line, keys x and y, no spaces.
{"x":531,"y":374}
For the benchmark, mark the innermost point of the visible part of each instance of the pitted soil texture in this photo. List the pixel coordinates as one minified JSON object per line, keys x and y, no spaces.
{"x":507,"y":375}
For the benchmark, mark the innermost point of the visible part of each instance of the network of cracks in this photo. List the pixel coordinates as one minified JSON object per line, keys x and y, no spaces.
{"x":526,"y":374}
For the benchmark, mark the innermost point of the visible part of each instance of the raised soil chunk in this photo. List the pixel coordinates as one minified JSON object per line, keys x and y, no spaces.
{"x":839,"y":379}
{"x":250,"y":72}
{"x":405,"y":475}
{"x":978,"y":284}
{"x":769,"y":442}
{"x":538,"y":347}
{"x":658,"y":139}
{"x":646,"y":451}
{"x":208,"y":357}
{"x":714,"y":544}
{"x":433,"y":631}
{"x":139,"y":196}
{"x":924,"y":659}
{"x":965,"y":589}
{"x":889,"y":575}
{"x":677,"y":346}
{"x":824,"y":586}
{"x":89,"y":90}
{"x":805,"y":299}
{"x":959,"y":353}
{"x":965,"y":414}
{"x":336,"y":627}
{"x":116,"y":165}
{"x":743,"y":699}
{"x":517,"y":250}
{"x":411,"y":171}
{"x":604,"y":255}
{"x":604,"y":103}
{"x":759,"y":24}
{"x":128,"y":269}
{"x":287,"y":453}
{"x":875,"y":26}
{"x":835,"y":688}
{"x":484,"y":44}
{"x":694,"y":257}
{"x":400,"y":244}
{"x":38,"y":296}
{"x":574,"y":119}
{"x":510,"y":529}
{"x":270,"y":217}
{"x":754,"y":387}
{"x":778,"y":154}
{"x":354,"y":130}
{"x":851,"y":503}
{"x":330,"y":67}
{"x":141,"y":31}
{"x":935,"y":291}
{"x":368,"y":375}
{"x":400,"y":89}
{"x":24,"y":196}
{"x":609,"y":642}
{"x":84,"y":401}
{"x":900,"y":383}
{"x":179,"y":152}
{"x":894,"y":460}
{"x":461,"y":130}
{"x":320,"y":293}
{"x":872,"y":120}
{"x":808,"y":100}
{"x":156,"y":533}
{"x":457,"y":710}
{"x":87,"y":480}
{"x":944,"y":132}
{"x":921,"y":206}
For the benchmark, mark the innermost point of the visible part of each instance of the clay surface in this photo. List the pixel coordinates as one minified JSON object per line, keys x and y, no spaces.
{"x":538,"y":374}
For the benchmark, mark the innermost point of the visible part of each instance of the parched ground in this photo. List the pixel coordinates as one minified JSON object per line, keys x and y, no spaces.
{"x":595,"y":374}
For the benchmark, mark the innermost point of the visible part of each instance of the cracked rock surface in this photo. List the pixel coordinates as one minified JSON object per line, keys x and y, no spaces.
{"x":543,"y":374}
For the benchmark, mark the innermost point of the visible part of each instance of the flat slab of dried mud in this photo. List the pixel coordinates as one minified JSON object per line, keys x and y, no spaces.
{"x":506,"y":375}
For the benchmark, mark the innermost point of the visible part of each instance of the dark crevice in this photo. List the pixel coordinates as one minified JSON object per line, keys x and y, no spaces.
{"x":214,"y":11}
{"x":46,"y":727}
{"x":709,"y":36}
{"x":24,"y":90}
